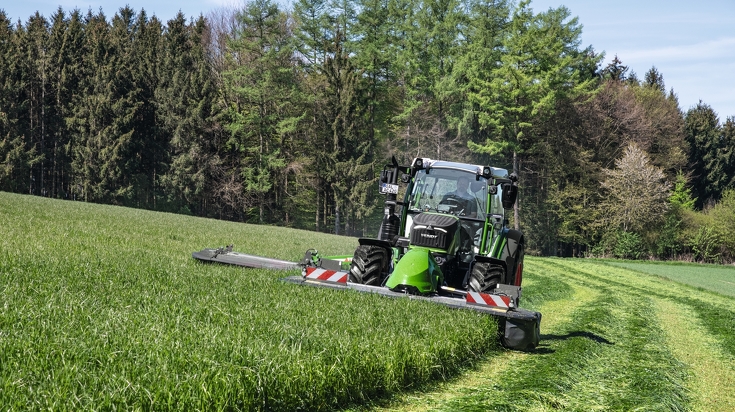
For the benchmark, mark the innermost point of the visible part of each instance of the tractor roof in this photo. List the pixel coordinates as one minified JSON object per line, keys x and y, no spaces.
{"x":476,"y":169}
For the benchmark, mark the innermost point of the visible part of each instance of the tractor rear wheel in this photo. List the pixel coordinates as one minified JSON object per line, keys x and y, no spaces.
{"x":368,"y":265}
{"x":485,"y":277}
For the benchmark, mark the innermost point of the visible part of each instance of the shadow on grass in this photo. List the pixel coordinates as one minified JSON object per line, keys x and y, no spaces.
{"x":577,"y":334}
{"x":544,"y":349}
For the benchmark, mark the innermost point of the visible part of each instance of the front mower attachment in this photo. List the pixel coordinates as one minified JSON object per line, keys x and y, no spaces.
{"x":518,"y":328}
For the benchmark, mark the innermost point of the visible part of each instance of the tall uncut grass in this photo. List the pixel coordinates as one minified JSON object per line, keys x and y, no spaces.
{"x":103,"y":307}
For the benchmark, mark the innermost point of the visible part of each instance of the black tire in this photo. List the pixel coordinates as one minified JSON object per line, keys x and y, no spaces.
{"x":485,"y":277}
{"x":368,"y":265}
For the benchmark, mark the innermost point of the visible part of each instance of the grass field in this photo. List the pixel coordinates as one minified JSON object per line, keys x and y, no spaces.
{"x":720,"y":279}
{"x":104,"y":308}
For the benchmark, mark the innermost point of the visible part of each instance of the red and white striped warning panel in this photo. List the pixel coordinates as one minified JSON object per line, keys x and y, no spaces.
{"x":477,"y":298}
{"x":313,"y":273}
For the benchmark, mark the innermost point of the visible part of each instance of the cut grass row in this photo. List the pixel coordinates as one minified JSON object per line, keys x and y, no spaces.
{"x":104,"y":308}
{"x":715,"y":311}
{"x":602,"y":348}
{"x":556,"y":300}
{"x":622,"y":341}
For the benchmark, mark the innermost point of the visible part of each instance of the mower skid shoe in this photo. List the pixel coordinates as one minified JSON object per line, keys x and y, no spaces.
{"x":520,"y":333}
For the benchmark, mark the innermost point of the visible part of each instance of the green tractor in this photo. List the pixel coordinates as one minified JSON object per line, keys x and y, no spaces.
{"x":446,"y":242}
{"x":449,"y":233}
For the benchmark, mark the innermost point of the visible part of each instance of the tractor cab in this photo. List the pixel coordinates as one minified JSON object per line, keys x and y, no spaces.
{"x":461,"y":190}
{"x":456,"y":192}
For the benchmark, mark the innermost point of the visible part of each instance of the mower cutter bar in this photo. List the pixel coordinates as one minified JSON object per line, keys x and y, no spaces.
{"x":457,"y":303}
{"x":226,"y":255}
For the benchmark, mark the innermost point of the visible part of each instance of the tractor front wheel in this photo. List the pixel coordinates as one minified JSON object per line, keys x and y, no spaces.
{"x":485,"y":277}
{"x":368,"y":265}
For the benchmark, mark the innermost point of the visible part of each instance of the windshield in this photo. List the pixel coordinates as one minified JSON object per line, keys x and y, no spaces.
{"x":449,"y":191}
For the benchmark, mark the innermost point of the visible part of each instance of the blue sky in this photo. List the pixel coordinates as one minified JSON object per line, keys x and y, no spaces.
{"x":692,"y":43}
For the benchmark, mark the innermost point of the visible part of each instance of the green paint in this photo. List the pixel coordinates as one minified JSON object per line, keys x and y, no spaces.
{"x":417,"y":268}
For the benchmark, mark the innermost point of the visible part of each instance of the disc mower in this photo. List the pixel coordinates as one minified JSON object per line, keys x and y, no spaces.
{"x":447,"y":242}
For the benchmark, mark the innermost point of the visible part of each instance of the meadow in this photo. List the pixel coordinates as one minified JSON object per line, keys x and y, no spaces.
{"x":717,"y":278}
{"x":103,"y":308}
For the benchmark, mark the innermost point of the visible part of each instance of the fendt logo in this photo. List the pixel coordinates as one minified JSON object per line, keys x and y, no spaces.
{"x":429,"y":236}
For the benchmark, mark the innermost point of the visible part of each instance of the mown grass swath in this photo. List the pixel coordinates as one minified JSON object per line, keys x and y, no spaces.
{"x":607,"y":357}
{"x":605,"y":345}
{"x":103,"y":307}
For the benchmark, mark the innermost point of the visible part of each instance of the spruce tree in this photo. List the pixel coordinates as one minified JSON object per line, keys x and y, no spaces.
{"x":92,"y":110}
{"x":702,"y":129}
{"x":186,"y":98}
{"x":260,"y":88}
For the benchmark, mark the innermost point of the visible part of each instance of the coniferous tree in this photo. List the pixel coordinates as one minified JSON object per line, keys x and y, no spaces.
{"x":479,"y":60}
{"x":375,"y":55}
{"x":702,"y":128}
{"x":727,"y":155}
{"x":427,"y":50}
{"x":65,"y":56}
{"x":186,"y":98}
{"x":17,"y":155}
{"x":91,"y":110}
{"x":615,"y":71}
{"x":34,"y":96}
{"x":147,"y":142}
{"x":655,"y":80}
{"x":258,"y":111}
{"x":313,"y":34}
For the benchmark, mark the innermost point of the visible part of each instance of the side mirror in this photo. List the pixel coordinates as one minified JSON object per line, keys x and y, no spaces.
{"x":510,"y":194}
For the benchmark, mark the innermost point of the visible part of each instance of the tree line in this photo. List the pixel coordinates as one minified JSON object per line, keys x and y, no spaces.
{"x":286,"y":116}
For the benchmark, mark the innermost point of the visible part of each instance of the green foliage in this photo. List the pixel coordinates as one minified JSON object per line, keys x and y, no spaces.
{"x":706,"y":245}
{"x":670,"y":241}
{"x":268,"y":115}
{"x":620,"y":244}
{"x":16,"y":160}
{"x":702,"y":128}
{"x":538,"y":53}
{"x":615,"y":71}
{"x":655,"y":80}
{"x":628,"y":246}
{"x":681,"y":196}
